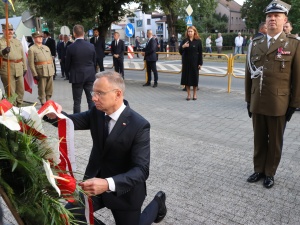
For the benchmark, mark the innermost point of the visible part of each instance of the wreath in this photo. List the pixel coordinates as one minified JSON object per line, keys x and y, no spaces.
{"x":35,"y":170}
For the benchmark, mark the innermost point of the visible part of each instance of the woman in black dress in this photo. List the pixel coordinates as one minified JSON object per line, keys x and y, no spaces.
{"x":191,"y":51}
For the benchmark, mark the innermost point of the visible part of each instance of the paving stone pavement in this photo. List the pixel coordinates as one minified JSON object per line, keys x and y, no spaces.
{"x":201,"y":156}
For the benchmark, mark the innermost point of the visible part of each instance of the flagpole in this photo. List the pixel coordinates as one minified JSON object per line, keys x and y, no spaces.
{"x":8,"y":44}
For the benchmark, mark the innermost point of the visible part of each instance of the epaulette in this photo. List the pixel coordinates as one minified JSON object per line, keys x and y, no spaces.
{"x":291,"y":36}
{"x":258,"y":38}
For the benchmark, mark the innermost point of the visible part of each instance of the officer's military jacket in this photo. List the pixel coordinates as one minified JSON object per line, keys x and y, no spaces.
{"x":280,"y":84}
{"x":40,"y":61}
{"x":16,"y":56}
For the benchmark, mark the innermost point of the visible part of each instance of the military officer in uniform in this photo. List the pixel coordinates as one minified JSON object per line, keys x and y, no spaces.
{"x":272,"y":90}
{"x":41,"y":65}
{"x":15,"y":55}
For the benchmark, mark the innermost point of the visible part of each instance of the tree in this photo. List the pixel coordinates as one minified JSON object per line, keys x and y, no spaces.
{"x":19,"y":7}
{"x":253,"y":11}
{"x":92,"y":13}
{"x":294,"y":16}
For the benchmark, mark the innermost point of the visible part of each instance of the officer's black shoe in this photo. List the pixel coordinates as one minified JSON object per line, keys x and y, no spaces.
{"x":160,"y":197}
{"x":146,"y":84}
{"x":154,"y":85}
{"x":255,"y":177}
{"x":268,"y":182}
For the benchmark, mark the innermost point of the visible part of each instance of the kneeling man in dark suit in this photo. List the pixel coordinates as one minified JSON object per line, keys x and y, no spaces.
{"x":118,"y":166}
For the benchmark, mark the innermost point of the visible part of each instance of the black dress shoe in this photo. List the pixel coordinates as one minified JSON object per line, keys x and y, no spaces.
{"x":154,"y":85}
{"x":146,"y":84}
{"x":160,"y":197}
{"x":255,"y":177}
{"x":268,"y":182}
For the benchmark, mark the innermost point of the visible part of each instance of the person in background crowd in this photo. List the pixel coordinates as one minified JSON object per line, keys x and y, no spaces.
{"x":245,"y":42}
{"x":149,"y":53}
{"x":191,"y":51}
{"x":99,"y":43}
{"x":29,"y":41}
{"x":81,"y":65}
{"x":238,"y":41}
{"x":137,"y":45}
{"x":287,"y":27}
{"x":41,"y":64}
{"x":58,"y":50}
{"x":117,"y":51}
{"x":161,"y":44}
{"x":262,"y":30}
{"x":173,"y":41}
{"x":62,"y":52}
{"x":18,"y":66}
{"x":208,"y":45}
{"x":272,"y":90}
{"x":50,"y":42}
{"x":219,"y":44}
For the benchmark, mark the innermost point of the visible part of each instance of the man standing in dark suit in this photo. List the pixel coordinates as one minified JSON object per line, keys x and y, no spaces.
{"x":50,"y":42}
{"x":272,"y":90}
{"x":149,"y":53}
{"x":99,"y":44}
{"x":117,"y":51}
{"x":119,"y":163}
{"x":62,"y":52}
{"x":81,"y":65}
{"x":262,"y":30}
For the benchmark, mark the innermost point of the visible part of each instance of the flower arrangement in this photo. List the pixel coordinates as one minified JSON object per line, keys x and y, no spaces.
{"x":33,"y":170}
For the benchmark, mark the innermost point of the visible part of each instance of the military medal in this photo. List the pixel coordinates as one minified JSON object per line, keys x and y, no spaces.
{"x":279,"y":52}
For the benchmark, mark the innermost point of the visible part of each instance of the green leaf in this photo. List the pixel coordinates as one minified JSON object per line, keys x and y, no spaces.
{"x":14,"y":165}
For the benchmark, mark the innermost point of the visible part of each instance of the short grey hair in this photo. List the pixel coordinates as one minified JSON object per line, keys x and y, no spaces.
{"x":113,"y":78}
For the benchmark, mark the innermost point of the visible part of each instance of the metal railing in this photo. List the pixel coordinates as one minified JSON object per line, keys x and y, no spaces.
{"x":230,"y":59}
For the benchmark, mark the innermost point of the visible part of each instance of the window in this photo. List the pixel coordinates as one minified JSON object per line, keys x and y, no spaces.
{"x":148,"y":21}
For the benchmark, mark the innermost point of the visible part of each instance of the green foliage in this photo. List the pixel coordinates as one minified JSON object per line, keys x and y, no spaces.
{"x":24,"y":180}
{"x":294,"y":16}
{"x":253,"y":11}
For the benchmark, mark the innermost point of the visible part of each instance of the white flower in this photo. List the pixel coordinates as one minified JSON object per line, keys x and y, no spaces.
{"x":10,"y":121}
{"x":50,"y":175}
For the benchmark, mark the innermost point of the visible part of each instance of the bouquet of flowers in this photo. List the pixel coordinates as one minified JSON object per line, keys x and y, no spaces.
{"x":33,"y":167}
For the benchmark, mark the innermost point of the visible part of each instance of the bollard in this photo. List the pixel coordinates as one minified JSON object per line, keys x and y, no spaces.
{"x":167,"y":50}
{"x":130,"y":52}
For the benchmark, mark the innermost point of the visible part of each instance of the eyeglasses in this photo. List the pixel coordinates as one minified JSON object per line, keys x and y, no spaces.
{"x":101,"y":93}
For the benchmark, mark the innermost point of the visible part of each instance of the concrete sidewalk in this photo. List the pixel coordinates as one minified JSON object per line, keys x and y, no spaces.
{"x":201,"y":156}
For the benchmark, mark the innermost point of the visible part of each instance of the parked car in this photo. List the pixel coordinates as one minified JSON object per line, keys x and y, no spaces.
{"x":107,"y":47}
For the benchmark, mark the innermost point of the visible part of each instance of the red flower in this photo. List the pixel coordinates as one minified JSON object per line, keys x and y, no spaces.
{"x":5,"y":106}
{"x":67,"y":187}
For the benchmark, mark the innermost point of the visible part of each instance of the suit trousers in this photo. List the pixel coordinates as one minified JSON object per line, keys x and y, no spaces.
{"x":122,"y":217}
{"x":119,"y":65}
{"x":45,"y":88}
{"x":100,"y":63}
{"x":77,"y":89}
{"x":64,"y":72}
{"x":16,"y":87}
{"x":151,"y":66}
{"x":268,"y":141}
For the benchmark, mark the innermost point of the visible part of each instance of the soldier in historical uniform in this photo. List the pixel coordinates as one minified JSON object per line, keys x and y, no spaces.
{"x":41,"y":65}
{"x":272,"y":88}
{"x":15,"y":55}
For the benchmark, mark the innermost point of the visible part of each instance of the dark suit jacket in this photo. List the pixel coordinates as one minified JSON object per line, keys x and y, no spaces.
{"x":99,"y":46}
{"x":150,"y":50}
{"x":81,"y":61}
{"x":125,"y":156}
{"x":51,"y":45}
{"x":62,"y":50}
{"x":118,"y":49}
